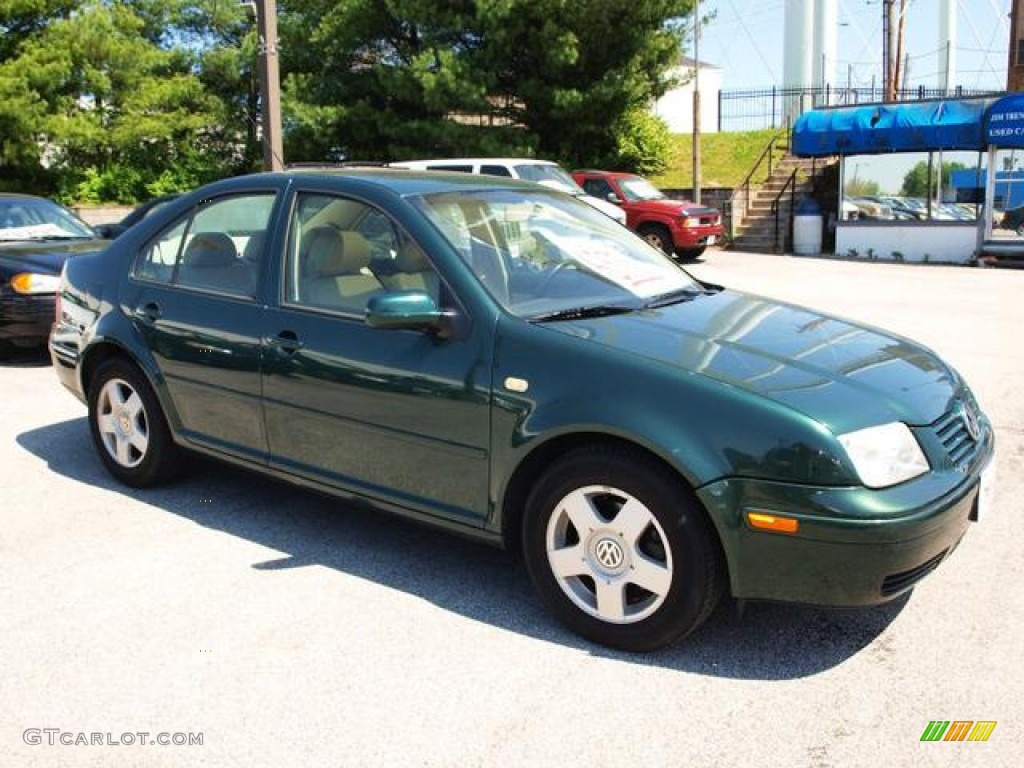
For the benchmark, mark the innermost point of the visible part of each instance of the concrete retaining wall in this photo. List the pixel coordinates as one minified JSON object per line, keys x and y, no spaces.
{"x":101,"y":214}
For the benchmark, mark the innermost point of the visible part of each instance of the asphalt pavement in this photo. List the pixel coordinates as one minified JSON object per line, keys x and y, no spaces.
{"x":281,"y":628}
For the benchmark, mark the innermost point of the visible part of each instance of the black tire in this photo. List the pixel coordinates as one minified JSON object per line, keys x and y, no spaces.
{"x":689,"y":254}
{"x":128,"y":426}
{"x":658,"y":236}
{"x":615,"y":492}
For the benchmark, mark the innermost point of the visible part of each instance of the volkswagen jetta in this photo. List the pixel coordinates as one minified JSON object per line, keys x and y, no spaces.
{"x":505,"y":361}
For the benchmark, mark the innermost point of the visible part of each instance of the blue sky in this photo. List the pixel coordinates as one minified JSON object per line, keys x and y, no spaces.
{"x":745,"y":39}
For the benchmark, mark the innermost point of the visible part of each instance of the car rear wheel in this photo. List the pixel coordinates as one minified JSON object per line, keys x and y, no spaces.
{"x":658,"y":236}
{"x":620,"y":550}
{"x":128,"y":426}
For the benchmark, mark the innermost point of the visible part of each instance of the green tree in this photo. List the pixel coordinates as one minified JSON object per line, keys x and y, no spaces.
{"x":21,"y":110}
{"x":21,"y":20}
{"x":574,"y":72}
{"x":916,"y":182}
{"x":392,"y":79}
{"x":862,"y":188}
{"x":122,"y":100}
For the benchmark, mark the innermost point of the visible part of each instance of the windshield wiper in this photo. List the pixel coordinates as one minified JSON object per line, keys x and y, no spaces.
{"x":675,"y":297}
{"x":579,"y":313}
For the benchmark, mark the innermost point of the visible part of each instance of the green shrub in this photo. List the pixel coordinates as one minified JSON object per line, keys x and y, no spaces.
{"x":643,"y":143}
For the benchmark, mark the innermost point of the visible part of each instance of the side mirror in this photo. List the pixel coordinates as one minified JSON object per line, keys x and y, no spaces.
{"x":405,"y":310}
{"x":615,"y":199}
{"x":108,"y":231}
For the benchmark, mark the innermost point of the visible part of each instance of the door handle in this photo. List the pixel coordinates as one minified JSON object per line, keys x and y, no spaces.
{"x":286,"y":341}
{"x":149,"y":312}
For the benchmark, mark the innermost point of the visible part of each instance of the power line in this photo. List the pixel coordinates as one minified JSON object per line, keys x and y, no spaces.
{"x":753,"y":41}
{"x":974,"y":31}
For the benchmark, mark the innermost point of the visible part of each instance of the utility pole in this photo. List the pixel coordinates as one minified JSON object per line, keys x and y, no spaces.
{"x":898,"y":77}
{"x":889,"y":45}
{"x":1015,"y":65}
{"x":696,"y":101}
{"x":270,"y":85}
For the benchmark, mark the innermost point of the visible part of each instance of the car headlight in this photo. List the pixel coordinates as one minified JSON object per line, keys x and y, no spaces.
{"x":884,"y":455}
{"x":30,"y":282}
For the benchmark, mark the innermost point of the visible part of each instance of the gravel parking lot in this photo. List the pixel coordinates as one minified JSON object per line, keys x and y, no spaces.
{"x":289,"y":630}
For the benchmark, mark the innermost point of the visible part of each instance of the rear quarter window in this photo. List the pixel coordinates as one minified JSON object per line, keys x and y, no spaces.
{"x":457,"y":168}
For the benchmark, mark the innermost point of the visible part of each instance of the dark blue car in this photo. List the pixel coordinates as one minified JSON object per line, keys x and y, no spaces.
{"x":36,"y":237}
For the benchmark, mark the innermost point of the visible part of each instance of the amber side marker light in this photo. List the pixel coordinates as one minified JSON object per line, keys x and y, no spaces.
{"x":766,"y":522}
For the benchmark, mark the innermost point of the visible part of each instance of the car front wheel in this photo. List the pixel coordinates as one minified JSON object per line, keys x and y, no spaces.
{"x":620,"y":550}
{"x":128,"y":426}
{"x":658,"y":236}
{"x":689,"y":254}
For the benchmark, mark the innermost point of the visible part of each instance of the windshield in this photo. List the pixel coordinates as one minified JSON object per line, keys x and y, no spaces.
{"x":26,"y":218}
{"x":550,"y":175}
{"x":636,"y":189}
{"x":540,"y":253}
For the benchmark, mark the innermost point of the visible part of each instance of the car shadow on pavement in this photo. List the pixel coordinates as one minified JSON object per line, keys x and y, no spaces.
{"x":769,"y":641}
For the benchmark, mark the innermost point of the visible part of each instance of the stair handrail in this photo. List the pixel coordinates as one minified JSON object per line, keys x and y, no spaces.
{"x":744,"y":186}
{"x":791,"y":186}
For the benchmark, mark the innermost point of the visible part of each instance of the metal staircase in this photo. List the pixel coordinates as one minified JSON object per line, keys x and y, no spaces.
{"x":760,"y":218}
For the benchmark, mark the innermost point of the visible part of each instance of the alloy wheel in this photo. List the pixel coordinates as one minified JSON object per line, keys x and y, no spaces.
{"x":122,"y":423}
{"x":609,"y":554}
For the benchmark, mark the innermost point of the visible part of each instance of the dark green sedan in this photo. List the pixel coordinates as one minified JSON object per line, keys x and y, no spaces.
{"x":504,"y":361}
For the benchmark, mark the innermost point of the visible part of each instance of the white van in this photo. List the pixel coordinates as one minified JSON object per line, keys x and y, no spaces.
{"x":539,"y":171}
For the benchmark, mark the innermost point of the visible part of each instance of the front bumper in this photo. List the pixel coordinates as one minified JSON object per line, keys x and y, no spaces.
{"x":26,"y":319}
{"x":695,"y":237}
{"x":855,"y":546}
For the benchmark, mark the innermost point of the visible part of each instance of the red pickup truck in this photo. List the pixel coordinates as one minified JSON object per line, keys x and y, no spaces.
{"x":675,"y":226}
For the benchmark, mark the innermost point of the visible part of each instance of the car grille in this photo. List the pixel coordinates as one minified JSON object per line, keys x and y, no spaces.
{"x":706,"y":216}
{"x":897,"y":582}
{"x":17,"y":308}
{"x":960,"y":440}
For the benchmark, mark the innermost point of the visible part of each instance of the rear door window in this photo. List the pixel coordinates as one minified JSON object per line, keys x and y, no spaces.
{"x":217,"y":247}
{"x":458,"y":168}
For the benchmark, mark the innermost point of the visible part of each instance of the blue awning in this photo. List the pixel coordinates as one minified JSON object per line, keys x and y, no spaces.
{"x":1004,"y":124}
{"x":905,"y":127}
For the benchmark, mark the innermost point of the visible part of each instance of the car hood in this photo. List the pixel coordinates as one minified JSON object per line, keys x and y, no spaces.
{"x":845,"y":375}
{"x":671,"y":207}
{"x":45,"y":257}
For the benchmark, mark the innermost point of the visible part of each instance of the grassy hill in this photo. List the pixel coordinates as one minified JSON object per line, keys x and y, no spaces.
{"x":726,"y":158}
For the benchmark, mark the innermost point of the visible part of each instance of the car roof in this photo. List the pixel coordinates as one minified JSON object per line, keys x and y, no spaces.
{"x":20,"y":196}
{"x":478,"y":161}
{"x":401,"y":181}
{"x":613,"y":174}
